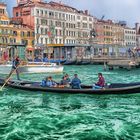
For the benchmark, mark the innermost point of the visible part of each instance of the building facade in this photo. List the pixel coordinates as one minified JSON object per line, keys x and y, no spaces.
{"x":129,"y":37}
{"x":110,"y":37}
{"x":60,"y":30}
{"x":63,"y":32}
{"x":12,"y":32}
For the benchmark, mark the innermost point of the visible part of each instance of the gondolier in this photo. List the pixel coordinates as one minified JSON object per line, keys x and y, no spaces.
{"x":15,"y":64}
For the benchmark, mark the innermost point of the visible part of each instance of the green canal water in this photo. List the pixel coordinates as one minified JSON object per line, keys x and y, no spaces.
{"x":26,"y":115}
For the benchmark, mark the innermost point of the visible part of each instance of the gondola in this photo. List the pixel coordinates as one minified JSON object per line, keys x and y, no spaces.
{"x":69,"y":62}
{"x":116,"y":88}
{"x":82,"y":62}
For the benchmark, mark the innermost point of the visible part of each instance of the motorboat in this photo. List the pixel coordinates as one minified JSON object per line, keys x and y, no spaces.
{"x":33,"y":67}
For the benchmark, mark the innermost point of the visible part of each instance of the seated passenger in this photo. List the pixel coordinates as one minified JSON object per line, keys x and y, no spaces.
{"x":50,"y":82}
{"x":43,"y":83}
{"x":68,"y":79}
{"x":76,"y":82}
{"x":101,"y":82}
{"x":65,"y":82}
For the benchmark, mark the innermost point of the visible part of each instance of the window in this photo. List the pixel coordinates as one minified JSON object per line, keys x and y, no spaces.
{"x":1,"y":11}
{"x":41,"y":30}
{"x":41,"y":12}
{"x":37,"y":11}
{"x":90,"y":26}
{"x":84,"y":25}
{"x":22,"y":34}
{"x":33,"y":42}
{"x":41,"y":40}
{"x":24,"y":42}
{"x":46,"y":31}
{"x":37,"y":21}
{"x":16,"y":14}
{"x":14,"y":40}
{"x":15,"y":33}
{"x":33,"y":34}
{"x":46,"y":13}
{"x":46,"y":40}
{"x":90,"y":19}
{"x":78,"y":24}
{"x":78,"y":17}
{"x":56,"y":15}
{"x":59,"y":15}
{"x":51,"y":14}
{"x":28,"y":34}
{"x":84,"y":18}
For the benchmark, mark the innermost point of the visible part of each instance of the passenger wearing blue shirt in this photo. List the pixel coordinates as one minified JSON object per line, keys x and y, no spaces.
{"x":76,"y":82}
{"x":50,"y":82}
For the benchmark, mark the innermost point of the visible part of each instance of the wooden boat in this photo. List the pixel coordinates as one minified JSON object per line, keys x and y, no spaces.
{"x":33,"y":67}
{"x":116,"y":88}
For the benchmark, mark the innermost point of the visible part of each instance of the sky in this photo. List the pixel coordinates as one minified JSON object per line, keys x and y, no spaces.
{"x":117,"y":10}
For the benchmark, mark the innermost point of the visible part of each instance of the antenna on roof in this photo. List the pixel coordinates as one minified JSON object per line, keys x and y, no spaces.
{"x":102,"y":17}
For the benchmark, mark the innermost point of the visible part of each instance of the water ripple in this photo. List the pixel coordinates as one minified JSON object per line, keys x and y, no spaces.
{"x":27,"y":115}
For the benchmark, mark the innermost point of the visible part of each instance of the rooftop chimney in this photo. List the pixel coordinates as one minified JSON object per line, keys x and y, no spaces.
{"x":86,"y":12}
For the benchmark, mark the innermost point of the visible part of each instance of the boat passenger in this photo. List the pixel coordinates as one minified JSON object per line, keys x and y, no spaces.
{"x":65,"y":82}
{"x":43,"y":83}
{"x":76,"y":82}
{"x":50,"y":82}
{"x":67,"y":78}
{"x":101,"y":82}
{"x":45,"y":59}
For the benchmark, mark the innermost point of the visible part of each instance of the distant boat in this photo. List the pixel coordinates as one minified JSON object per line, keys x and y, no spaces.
{"x":82,"y":62}
{"x":34,"y":67}
{"x":69,"y":62}
{"x":58,"y":61}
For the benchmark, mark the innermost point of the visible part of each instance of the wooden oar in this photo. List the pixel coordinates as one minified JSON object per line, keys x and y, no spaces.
{"x":11,"y":73}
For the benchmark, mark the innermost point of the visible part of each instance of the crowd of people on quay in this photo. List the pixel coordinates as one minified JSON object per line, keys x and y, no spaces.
{"x":74,"y":83}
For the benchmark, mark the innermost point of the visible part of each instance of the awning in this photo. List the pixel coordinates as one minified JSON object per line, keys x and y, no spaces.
{"x":29,"y":49}
{"x":55,"y":45}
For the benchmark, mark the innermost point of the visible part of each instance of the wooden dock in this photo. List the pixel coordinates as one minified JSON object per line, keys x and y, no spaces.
{"x":127,"y":64}
{"x":116,"y":62}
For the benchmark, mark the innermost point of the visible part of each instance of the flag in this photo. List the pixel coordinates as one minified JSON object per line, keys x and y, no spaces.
{"x":49,"y":33}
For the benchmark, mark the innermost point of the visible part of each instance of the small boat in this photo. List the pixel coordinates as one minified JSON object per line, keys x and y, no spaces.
{"x":58,"y":61}
{"x":69,"y":62}
{"x":82,"y":62}
{"x":33,"y":67}
{"x":116,"y":88}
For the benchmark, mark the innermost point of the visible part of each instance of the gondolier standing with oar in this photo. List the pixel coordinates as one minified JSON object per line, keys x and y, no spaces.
{"x":15,"y":64}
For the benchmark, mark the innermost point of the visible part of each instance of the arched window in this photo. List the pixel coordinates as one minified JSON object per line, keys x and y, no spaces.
{"x":22,"y":34}
{"x":2,"y":39}
{"x":15,"y":33}
{"x":6,"y":40}
{"x":28,"y":34}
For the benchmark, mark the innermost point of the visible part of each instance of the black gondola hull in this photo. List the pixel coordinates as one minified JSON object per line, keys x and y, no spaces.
{"x":35,"y":86}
